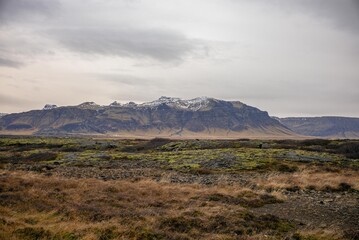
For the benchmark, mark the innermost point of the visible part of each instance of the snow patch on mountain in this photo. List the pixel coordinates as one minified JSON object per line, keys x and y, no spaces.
{"x":88,"y":105}
{"x":49,"y":107}
{"x":194,"y":104}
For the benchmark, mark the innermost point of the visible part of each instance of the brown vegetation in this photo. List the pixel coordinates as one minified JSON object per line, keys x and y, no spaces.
{"x":312,"y":179}
{"x":38,"y":207}
{"x":83,"y":188}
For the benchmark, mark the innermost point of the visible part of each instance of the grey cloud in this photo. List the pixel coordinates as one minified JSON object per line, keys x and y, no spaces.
{"x":123,"y":79}
{"x":9,"y":63}
{"x":9,"y":100}
{"x":258,"y":54}
{"x":20,"y":10}
{"x":162,"y":45}
{"x":344,"y":14}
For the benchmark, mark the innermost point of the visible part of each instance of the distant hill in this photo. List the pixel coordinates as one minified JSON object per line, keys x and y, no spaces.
{"x":165,"y":117}
{"x":328,"y":127}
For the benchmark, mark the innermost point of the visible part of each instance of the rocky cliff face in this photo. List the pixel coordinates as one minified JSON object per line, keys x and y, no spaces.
{"x":166,"y":116}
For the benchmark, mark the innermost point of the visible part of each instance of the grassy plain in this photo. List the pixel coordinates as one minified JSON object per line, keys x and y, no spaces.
{"x":88,"y":188}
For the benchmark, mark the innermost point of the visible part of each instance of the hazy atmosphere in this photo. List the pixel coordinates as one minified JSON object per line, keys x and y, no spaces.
{"x":290,"y":58}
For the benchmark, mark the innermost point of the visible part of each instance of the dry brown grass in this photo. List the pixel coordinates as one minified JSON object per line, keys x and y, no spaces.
{"x":326,"y":234}
{"x":315,"y":179}
{"x":38,"y":207}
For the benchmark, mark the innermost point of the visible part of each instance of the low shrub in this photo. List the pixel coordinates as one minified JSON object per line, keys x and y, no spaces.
{"x":181,"y":224}
{"x":30,"y":233}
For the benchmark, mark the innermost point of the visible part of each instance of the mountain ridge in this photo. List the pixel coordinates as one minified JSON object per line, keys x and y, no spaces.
{"x":324,"y":126}
{"x":201,"y":117}
{"x":166,"y":117}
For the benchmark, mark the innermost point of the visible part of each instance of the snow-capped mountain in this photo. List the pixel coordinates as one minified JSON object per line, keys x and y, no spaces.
{"x":173,"y":117}
{"x":163,"y":117}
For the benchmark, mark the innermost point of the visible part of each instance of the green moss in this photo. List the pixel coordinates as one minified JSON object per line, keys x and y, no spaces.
{"x":187,"y":166}
{"x":214,"y":156}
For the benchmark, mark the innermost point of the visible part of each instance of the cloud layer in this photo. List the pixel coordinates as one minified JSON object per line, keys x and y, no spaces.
{"x":9,"y":63}
{"x":288,"y":57}
{"x":161,"y":45}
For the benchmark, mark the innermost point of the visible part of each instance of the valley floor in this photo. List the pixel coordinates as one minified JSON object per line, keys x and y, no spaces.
{"x":86,"y":188}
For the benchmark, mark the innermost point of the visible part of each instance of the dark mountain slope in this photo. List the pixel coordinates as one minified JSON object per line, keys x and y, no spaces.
{"x":335,"y":127}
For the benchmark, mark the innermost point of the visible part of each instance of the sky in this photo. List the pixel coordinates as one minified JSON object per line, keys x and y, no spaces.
{"x":287,"y":57}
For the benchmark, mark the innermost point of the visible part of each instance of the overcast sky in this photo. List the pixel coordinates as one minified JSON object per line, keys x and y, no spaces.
{"x":287,"y":57}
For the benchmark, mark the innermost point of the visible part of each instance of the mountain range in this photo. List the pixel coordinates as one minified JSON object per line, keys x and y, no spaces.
{"x":326,"y":127}
{"x":173,"y":117}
